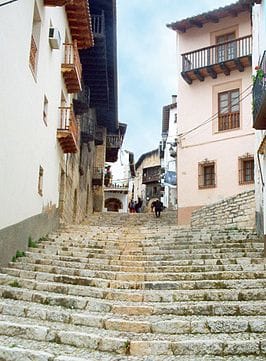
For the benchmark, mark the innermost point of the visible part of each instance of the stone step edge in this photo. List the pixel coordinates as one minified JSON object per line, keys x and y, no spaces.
{"x":126,"y":346}
{"x":149,"y":324}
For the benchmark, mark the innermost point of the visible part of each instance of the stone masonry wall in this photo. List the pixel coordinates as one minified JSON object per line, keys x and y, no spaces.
{"x":234,"y":212}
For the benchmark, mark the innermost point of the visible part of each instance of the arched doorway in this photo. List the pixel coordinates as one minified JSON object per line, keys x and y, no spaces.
{"x":113,"y":204}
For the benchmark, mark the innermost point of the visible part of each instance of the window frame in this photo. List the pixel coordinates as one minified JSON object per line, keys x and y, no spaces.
{"x":246,"y":172}
{"x":230,"y":120}
{"x":207,"y":180}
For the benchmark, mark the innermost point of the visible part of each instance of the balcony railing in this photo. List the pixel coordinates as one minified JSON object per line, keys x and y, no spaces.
{"x":33,"y":55}
{"x":113,"y":141}
{"x":72,"y":68}
{"x":68,"y":130}
{"x":98,"y":25}
{"x":219,"y":58}
{"x":259,"y":96}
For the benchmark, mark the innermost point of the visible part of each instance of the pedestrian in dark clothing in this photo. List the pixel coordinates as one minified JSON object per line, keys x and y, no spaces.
{"x":158,"y":206}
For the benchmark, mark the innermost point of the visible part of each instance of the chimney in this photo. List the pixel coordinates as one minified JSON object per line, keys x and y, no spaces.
{"x":174,"y":97}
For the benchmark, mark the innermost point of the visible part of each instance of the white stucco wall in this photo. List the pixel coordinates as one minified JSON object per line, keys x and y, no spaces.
{"x":197,"y":103}
{"x":27,"y":143}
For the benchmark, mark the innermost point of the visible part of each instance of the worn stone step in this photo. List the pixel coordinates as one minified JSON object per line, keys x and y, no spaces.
{"x":79,"y":275}
{"x":111,"y":341}
{"x":137,"y":324}
{"x":153,"y":261}
{"x":44,"y":258}
{"x":151,"y":306}
{"x":18,"y":349}
{"x":64,"y":283}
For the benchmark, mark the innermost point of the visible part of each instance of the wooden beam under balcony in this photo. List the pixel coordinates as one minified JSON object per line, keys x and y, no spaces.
{"x":55,"y":2}
{"x":216,"y":59}
{"x":72,"y":68}
{"x":68,"y":132}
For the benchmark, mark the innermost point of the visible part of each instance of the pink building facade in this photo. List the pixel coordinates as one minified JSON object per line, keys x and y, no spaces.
{"x":215,"y":150}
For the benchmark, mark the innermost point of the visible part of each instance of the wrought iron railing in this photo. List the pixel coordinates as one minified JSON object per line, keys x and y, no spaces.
{"x":259,"y":87}
{"x":216,"y":54}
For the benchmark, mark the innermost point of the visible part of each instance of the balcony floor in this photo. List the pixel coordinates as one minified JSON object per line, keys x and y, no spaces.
{"x":213,"y":70}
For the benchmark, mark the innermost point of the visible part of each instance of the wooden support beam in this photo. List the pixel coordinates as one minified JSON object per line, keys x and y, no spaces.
{"x":211,"y":72}
{"x":198,"y":75}
{"x":239,"y":65}
{"x":186,"y":77}
{"x":225,"y":69}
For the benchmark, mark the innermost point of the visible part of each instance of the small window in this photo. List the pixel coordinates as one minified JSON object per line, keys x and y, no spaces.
{"x":207,"y":175}
{"x":45,"y":110}
{"x":228,"y":110}
{"x":40,"y":181}
{"x":35,"y":38}
{"x":246,"y":170}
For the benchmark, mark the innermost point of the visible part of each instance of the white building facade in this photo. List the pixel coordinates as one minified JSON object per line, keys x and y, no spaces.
{"x":215,"y":140}
{"x":168,"y":154}
{"x":38,"y":129}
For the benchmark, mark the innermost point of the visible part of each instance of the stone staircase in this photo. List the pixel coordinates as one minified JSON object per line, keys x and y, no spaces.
{"x":133,"y":287}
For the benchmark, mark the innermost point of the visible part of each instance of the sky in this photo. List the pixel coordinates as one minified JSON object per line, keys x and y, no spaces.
{"x":147,"y":64}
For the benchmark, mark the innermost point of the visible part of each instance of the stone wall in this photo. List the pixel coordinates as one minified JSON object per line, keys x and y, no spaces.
{"x":234,"y":212}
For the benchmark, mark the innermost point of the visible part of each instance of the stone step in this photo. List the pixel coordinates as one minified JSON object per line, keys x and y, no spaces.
{"x":241,"y":304}
{"x":173,"y":256}
{"x":86,"y":276}
{"x":14,"y":349}
{"x":38,"y":257}
{"x":130,"y":343}
{"x":57,"y":266}
{"x":137,"y":324}
{"x":64,"y":282}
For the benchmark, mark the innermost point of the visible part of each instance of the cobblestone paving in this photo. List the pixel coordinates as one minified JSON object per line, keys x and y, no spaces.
{"x":136,"y":288}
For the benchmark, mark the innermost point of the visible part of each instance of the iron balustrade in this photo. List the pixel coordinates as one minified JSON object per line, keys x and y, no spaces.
{"x":259,"y":88}
{"x":216,"y":54}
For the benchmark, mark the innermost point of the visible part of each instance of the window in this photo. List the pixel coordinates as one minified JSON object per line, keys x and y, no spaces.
{"x":45,"y":110}
{"x":227,"y":49}
{"x":40,"y":181}
{"x":228,"y":110}
{"x":207,"y":175}
{"x":246,"y":170}
{"x":35,"y":37}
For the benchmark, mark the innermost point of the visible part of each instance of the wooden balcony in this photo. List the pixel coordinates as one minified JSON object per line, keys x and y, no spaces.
{"x":113,"y":141}
{"x":151,"y":175}
{"x":259,"y":96}
{"x":56,"y":2}
{"x":72,"y":68}
{"x":217,"y":59}
{"x":68,"y":131}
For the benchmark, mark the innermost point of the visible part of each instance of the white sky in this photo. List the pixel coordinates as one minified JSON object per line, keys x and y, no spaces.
{"x":147,"y":64}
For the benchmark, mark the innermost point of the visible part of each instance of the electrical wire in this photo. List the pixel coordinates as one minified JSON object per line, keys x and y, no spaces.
{"x":215,"y":115}
{"x":8,"y":2}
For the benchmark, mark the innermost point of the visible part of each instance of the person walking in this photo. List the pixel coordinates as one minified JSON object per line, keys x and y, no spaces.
{"x":158,"y":206}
